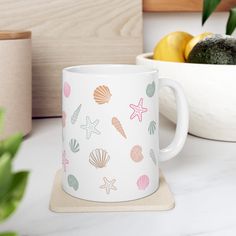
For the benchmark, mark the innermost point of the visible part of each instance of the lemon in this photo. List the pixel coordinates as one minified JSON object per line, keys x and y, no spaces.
{"x":172,"y":47}
{"x":193,"y":42}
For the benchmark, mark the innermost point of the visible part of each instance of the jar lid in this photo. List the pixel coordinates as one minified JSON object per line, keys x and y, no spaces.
{"x":8,"y":35}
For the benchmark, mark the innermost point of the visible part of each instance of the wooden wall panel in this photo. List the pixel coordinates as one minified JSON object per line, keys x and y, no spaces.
{"x":182,"y":5}
{"x":72,"y":32}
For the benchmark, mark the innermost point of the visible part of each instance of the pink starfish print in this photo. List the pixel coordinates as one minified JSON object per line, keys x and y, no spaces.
{"x":65,"y":161}
{"x":138,"y":110}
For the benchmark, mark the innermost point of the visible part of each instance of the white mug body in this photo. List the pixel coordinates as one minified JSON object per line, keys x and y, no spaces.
{"x":110,"y":132}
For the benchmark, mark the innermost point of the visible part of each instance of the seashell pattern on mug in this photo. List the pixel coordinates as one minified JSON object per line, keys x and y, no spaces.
{"x":90,"y":127}
{"x":150,"y":90}
{"x":75,"y":115}
{"x":108,"y":185}
{"x":153,"y":156}
{"x":152,"y":127}
{"x":73,"y":182}
{"x":102,"y":94}
{"x":136,"y":153}
{"x":116,"y":123}
{"x":99,"y":158}
{"x":138,"y":110}
{"x":66,"y":89}
{"x":74,"y":145}
{"x":143,"y":182}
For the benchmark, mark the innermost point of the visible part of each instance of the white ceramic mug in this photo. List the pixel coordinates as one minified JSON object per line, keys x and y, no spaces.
{"x":110,"y":131}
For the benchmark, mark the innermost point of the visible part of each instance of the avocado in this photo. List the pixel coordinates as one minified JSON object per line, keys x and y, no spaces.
{"x":216,"y":49}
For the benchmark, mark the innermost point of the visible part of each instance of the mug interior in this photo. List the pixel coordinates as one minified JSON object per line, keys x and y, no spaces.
{"x":110,"y":69}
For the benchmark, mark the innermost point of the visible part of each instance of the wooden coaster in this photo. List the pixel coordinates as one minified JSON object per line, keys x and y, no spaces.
{"x":60,"y":201}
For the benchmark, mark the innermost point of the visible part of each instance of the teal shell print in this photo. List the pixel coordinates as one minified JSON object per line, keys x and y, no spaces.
{"x":73,"y":182}
{"x":75,"y":115}
{"x":74,"y":145}
{"x":152,"y":127}
{"x":150,"y":90}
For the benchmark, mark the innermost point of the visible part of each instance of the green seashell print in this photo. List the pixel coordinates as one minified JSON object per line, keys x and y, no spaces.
{"x":152,"y":127}
{"x":150,"y":90}
{"x":75,"y":115}
{"x":74,"y":145}
{"x":153,"y":156}
{"x":73,"y":182}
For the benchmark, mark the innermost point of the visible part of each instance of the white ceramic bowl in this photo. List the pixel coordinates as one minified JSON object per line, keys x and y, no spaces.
{"x":210,"y":91}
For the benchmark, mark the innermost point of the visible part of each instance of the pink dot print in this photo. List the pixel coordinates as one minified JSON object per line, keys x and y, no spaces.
{"x":143,"y":182}
{"x":66,"y":89}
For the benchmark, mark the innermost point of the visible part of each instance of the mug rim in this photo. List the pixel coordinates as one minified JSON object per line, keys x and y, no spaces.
{"x":123,"y":69}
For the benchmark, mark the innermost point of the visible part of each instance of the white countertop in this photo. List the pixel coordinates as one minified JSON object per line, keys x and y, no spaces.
{"x":202,"y":178}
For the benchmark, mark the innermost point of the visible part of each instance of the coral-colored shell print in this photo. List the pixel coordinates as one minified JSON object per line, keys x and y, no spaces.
{"x":136,"y":153}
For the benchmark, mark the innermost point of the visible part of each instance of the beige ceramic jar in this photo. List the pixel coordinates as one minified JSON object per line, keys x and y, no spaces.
{"x":16,"y":81}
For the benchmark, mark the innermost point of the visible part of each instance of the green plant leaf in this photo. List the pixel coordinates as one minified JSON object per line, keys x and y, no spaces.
{"x":5,"y":174}
{"x":208,"y":7}
{"x":11,"y":145}
{"x":12,"y":198}
{"x":8,"y":234}
{"x":231,"y":23}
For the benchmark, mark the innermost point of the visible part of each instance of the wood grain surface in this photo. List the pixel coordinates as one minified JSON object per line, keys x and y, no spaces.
{"x":6,"y":35}
{"x":72,"y":32}
{"x":182,"y":5}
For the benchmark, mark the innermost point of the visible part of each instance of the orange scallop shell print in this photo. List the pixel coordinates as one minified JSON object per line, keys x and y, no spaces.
{"x":136,"y":153}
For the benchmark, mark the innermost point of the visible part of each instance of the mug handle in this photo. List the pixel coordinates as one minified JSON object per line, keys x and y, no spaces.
{"x":182,"y":121}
